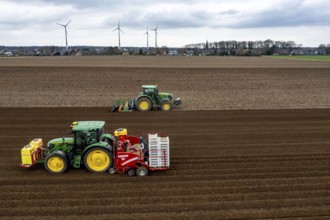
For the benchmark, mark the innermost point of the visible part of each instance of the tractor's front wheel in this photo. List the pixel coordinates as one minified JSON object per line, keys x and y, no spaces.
{"x":56,"y":163}
{"x":143,"y":104}
{"x":98,"y":160}
{"x":166,"y":106}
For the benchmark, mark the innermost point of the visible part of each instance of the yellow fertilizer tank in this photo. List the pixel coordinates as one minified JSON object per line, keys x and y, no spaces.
{"x":120,"y":132}
{"x":31,"y":152}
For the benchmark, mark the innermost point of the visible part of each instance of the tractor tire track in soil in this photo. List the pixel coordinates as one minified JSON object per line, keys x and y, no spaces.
{"x":224,"y":164}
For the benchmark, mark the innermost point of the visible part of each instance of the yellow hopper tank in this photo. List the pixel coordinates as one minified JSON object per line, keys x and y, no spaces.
{"x":31,"y":152}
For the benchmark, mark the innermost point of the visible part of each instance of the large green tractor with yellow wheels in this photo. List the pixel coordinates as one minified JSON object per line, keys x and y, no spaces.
{"x":146,"y":100}
{"x":151,"y":98}
{"x":87,"y":145}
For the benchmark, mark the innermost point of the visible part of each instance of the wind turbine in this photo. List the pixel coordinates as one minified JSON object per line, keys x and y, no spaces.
{"x":66,"y":33}
{"x":119,"y":30}
{"x":156,"y":35}
{"x":147,"y":33}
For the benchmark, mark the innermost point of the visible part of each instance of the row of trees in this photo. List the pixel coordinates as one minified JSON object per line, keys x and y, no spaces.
{"x":239,"y":48}
{"x":247,"y":48}
{"x":244,"y":44}
{"x":325,"y":47}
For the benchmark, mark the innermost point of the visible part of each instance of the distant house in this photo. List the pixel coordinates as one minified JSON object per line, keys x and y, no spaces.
{"x":297,"y":52}
{"x":9,"y":54}
{"x":190,"y":52}
{"x":173,"y":53}
{"x":282,"y":51}
{"x":125,"y":53}
{"x":308,"y":51}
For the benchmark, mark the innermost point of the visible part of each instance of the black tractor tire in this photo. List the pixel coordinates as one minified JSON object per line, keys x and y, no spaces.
{"x":131,"y":172}
{"x":166,"y":105}
{"x":142,"y":171}
{"x":143,"y":104}
{"x":56,"y":162}
{"x":98,"y":160}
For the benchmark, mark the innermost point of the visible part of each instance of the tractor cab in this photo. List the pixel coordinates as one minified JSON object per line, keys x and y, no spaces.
{"x":150,"y":90}
{"x":87,"y":133}
{"x":84,"y":138}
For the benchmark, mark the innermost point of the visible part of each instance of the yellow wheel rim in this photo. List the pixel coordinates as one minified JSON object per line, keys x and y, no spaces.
{"x":166,"y":106}
{"x":98,"y":160}
{"x":55,"y":164}
{"x":144,"y":105}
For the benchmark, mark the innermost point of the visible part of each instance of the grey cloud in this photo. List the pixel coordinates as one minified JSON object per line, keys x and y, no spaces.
{"x":229,"y":12}
{"x":292,"y":14}
{"x":138,"y":19}
{"x":138,"y":14}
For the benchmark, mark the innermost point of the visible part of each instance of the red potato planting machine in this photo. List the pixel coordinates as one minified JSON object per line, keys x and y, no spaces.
{"x":135,"y":156}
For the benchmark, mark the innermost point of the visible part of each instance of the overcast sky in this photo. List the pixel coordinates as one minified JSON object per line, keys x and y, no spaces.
{"x":33,"y":22}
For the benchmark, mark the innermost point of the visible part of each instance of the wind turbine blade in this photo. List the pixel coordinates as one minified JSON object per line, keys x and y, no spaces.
{"x":155,"y":29}
{"x":115,"y":29}
{"x":60,"y":24}
{"x":68,"y":23}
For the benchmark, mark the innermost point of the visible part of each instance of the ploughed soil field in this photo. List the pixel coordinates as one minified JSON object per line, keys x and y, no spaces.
{"x":199,"y":88}
{"x":224,"y":165}
{"x":269,"y":161}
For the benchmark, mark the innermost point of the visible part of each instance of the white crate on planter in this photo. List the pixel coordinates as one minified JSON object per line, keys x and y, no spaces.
{"x":159,"y":151}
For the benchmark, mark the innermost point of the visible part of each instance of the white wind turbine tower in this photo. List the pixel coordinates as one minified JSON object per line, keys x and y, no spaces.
{"x":147,"y":33}
{"x":156,"y":35}
{"x":66,"y":33}
{"x":119,"y":30}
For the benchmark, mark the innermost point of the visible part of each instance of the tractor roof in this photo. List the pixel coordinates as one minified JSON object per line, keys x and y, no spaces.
{"x":150,"y":86}
{"x":87,"y":125}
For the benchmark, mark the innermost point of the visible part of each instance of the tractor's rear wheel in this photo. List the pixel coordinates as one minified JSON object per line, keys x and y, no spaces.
{"x":143,"y":104}
{"x":98,"y":160}
{"x":166,"y":106}
{"x":56,"y":163}
{"x":142,"y":171}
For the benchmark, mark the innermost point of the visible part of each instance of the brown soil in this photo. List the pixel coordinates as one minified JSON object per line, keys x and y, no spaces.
{"x":199,"y":88}
{"x":225,"y":165}
{"x":162,"y":62}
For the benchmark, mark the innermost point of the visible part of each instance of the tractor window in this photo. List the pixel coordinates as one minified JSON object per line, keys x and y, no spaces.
{"x":80,"y":140}
{"x":85,"y":138}
{"x":91,"y":137}
{"x":100,"y":133}
{"x":149,"y":91}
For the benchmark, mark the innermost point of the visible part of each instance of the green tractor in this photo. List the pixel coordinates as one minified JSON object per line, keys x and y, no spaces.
{"x":89,"y":146}
{"x":146,"y":100}
{"x":151,"y":98}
